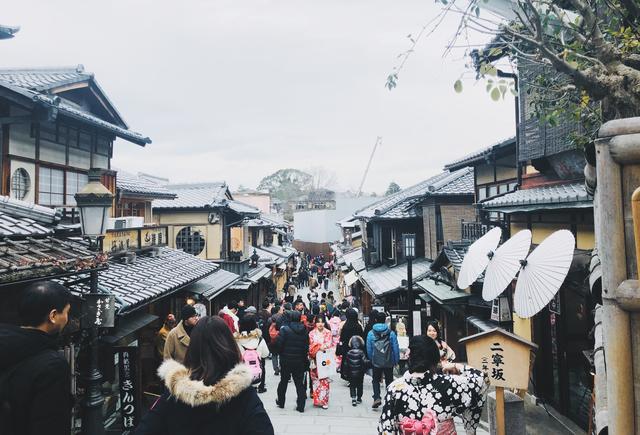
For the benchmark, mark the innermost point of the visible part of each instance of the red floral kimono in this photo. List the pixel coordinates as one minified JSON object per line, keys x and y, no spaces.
{"x":320,"y":386}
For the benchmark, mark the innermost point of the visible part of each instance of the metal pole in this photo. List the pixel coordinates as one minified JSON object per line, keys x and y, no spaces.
{"x":410,"y":301}
{"x":92,"y":419}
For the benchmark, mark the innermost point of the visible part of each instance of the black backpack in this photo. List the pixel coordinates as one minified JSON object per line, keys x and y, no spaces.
{"x":382,"y":356}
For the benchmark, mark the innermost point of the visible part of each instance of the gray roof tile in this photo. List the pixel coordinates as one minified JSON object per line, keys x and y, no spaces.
{"x":384,"y":279}
{"x":477,"y":156}
{"x":402,"y":205}
{"x":130,"y":184}
{"x":35,"y":83}
{"x":194,"y":195}
{"x":569,"y":195}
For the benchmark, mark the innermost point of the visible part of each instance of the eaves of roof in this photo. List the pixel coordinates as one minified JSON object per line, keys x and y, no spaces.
{"x":480,"y":155}
{"x":559,"y":196}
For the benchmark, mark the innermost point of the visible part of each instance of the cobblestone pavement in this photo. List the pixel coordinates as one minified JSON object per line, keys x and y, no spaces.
{"x":340,"y":418}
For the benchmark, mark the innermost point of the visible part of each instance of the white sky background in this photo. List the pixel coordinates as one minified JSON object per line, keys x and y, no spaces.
{"x":237,"y":89}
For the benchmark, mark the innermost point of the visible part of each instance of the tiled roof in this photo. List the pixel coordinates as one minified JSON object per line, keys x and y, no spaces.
{"x":478,"y":156}
{"x":44,"y":258}
{"x":265,"y":220}
{"x":402,"y":205}
{"x":384,"y":279}
{"x":35,"y":84}
{"x":20,"y":218}
{"x":133,"y":185}
{"x":440,"y":292}
{"x":570,"y":195}
{"x":239,"y":207}
{"x":7,"y":32}
{"x":203,"y":195}
{"x":151,"y":277}
{"x":214,"y":284}
{"x":267,"y":257}
{"x":280,"y":251}
{"x":43,"y":79}
{"x":354,"y":259}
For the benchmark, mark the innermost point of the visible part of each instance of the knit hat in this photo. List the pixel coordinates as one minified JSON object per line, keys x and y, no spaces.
{"x":188,"y":311}
{"x":251,"y":309}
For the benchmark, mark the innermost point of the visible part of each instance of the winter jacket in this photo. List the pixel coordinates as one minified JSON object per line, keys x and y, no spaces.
{"x":252,"y":340}
{"x":355,"y":359}
{"x":175,"y":347}
{"x":382,"y":329}
{"x":189,"y":407}
{"x":230,"y":319}
{"x":293,"y":345}
{"x":38,"y":390}
{"x":264,"y":316}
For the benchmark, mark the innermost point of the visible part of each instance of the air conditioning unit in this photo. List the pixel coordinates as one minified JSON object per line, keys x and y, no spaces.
{"x":123,"y":223}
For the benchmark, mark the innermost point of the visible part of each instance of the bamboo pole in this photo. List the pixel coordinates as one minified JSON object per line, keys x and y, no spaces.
{"x":500,"y":427}
{"x":615,"y":321}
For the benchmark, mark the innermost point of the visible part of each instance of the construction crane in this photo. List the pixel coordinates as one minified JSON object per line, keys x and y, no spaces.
{"x":366,"y":171}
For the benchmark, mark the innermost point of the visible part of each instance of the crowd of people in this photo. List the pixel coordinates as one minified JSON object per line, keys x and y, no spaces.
{"x":214,"y":367}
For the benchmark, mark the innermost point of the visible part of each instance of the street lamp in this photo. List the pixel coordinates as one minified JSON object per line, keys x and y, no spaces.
{"x":94,"y":201}
{"x":254,"y":259}
{"x":409,"y":245}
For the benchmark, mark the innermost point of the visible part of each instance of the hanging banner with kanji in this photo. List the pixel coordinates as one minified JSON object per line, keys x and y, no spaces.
{"x":127,"y":357}
{"x":504,"y":356}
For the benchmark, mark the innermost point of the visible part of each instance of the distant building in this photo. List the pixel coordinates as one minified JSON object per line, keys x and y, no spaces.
{"x":256,"y":198}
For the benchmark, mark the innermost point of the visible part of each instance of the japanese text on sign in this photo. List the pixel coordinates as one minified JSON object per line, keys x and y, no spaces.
{"x":127,"y":371}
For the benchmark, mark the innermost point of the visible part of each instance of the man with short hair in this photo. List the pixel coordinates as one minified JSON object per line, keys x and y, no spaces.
{"x":230,"y":316}
{"x":179,"y":338}
{"x":34,"y":376}
{"x":384,"y":353}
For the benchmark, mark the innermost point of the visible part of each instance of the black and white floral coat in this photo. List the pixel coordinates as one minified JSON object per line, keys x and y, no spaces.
{"x":447,"y":395}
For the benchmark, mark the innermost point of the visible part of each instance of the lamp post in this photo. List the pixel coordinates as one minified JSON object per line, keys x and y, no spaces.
{"x":409,"y":245}
{"x":94,"y":201}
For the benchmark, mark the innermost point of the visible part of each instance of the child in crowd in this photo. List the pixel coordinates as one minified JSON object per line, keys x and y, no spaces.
{"x":356,"y":365}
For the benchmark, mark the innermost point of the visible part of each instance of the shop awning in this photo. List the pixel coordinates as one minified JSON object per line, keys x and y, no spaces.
{"x":350,"y":278}
{"x":481,"y":324}
{"x":240,"y":285}
{"x":127,"y":325}
{"x":441,"y":293}
{"x":214,"y":284}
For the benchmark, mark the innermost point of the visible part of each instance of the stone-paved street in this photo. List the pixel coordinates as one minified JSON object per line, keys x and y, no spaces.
{"x":340,"y":418}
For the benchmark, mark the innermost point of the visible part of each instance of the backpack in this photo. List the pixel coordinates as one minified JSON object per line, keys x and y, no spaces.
{"x":273,"y":331}
{"x":252,"y":360}
{"x":382,"y":356}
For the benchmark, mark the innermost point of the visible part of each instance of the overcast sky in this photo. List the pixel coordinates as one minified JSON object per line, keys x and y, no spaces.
{"x":237,"y":89}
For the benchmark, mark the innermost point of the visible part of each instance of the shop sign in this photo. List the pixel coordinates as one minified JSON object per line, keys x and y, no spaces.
{"x":127,"y":357}
{"x":98,"y":310}
{"x":503,"y":356}
{"x":116,"y":241}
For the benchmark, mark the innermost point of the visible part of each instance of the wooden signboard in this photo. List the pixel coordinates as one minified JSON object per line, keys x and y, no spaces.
{"x":98,"y":310}
{"x":127,"y":371}
{"x":116,"y":241}
{"x":506,"y":358}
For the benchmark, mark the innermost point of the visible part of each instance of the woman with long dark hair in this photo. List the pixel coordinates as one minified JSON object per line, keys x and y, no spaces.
{"x":211,"y":393}
{"x":446,"y":353}
{"x":424,"y":391}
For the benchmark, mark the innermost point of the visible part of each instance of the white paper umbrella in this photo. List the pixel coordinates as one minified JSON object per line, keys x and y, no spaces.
{"x":477,"y":257}
{"x":505,"y":264}
{"x":543,"y":273}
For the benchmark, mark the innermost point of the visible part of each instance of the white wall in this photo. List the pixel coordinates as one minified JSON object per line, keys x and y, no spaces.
{"x":319,"y":226}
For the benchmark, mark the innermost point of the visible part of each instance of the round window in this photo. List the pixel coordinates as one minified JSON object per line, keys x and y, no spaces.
{"x":190,"y":241}
{"x":20,"y":183}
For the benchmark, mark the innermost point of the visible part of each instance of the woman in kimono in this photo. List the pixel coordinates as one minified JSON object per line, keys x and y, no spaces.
{"x":334,"y":324}
{"x":320,"y":339}
{"x":424,"y":391}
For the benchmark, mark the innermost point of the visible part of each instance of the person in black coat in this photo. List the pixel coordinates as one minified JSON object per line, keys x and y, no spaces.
{"x":351,"y":327}
{"x":293,"y":345}
{"x":34,"y":376}
{"x":211,"y":393}
{"x":355,"y":367}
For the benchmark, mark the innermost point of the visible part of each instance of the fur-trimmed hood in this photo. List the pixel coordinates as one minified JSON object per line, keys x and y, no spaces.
{"x":249,"y":340}
{"x":196,"y":393}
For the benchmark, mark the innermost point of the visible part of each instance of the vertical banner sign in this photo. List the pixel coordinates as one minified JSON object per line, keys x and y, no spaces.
{"x":98,"y":310}
{"x":127,"y":357}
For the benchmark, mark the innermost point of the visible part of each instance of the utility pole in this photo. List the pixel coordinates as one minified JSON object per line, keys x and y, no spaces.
{"x":366,"y":171}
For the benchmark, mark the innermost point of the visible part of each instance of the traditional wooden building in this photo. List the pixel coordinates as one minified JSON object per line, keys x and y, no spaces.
{"x":57,"y":123}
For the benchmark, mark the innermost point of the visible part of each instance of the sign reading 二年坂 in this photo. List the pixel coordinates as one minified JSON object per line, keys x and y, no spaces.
{"x":128,"y":387}
{"x":504,"y":356}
